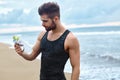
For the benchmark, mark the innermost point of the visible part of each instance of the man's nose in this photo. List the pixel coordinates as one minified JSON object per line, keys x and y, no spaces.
{"x":43,"y":24}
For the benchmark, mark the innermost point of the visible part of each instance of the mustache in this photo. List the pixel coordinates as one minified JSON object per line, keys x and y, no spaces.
{"x":50,"y":28}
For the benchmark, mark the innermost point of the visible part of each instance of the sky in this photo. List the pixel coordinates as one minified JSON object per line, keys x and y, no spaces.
{"x":25,"y":12}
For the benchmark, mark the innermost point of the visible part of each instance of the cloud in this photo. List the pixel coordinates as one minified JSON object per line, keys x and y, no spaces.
{"x":19,"y":12}
{"x":72,"y":11}
{"x":19,"y":16}
{"x":2,"y":2}
{"x":5,"y":10}
{"x":92,"y":11}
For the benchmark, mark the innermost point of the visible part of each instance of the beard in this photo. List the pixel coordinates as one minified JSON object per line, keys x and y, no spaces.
{"x":52,"y":27}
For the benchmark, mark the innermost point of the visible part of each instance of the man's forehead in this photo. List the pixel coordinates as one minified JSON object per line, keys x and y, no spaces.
{"x":44,"y":17}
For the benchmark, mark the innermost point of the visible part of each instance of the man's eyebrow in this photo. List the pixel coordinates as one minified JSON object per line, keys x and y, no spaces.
{"x":44,"y":20}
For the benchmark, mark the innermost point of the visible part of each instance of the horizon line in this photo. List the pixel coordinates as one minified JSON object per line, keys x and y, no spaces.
{"x":117,"y":23}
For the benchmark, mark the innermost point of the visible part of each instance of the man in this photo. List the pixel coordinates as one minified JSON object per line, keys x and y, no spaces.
{"x":56,"y":45}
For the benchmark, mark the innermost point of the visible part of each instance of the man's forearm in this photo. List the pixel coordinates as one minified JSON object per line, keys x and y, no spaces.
{"x":27,"y":56}
{"x":75,"y":74}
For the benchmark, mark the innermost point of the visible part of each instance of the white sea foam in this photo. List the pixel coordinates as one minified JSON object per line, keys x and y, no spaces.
{"x":19,"y":29}
{"x":31,"y":29}
{"x":97,"y":33}
{"x":93,"y":25}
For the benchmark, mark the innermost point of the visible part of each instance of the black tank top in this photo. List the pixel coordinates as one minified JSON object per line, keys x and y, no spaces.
{"x":54,"y":58}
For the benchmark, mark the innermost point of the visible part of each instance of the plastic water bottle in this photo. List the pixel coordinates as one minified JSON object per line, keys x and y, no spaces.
{"x":24,"y":44}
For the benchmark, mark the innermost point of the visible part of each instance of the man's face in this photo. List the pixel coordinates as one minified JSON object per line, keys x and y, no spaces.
{"x":48,"y":23}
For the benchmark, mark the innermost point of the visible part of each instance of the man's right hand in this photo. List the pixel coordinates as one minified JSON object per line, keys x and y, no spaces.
{"x":18,"y":48}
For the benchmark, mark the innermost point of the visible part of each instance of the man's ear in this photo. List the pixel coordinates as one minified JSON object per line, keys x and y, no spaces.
{"x":56,"y":18}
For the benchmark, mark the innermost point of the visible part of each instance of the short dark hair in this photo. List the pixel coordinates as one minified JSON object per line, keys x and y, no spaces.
{"x":50,"y":8}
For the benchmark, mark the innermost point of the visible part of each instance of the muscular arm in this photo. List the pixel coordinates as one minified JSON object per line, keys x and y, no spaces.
{"x":74,"y":53}
{"x":35,"y":51}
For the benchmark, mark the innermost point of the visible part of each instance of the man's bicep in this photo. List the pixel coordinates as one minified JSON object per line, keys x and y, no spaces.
{"x":74,"y":52}
{"x":36,"y":47}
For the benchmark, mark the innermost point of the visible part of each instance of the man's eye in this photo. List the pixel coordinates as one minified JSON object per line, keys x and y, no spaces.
{"x":45,"y":21}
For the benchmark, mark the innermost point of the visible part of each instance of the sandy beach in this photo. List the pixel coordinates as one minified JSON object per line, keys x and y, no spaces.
{"x":14,"y":67}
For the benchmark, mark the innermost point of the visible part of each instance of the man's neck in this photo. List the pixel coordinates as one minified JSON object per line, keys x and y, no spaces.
{"x":59,"y":29}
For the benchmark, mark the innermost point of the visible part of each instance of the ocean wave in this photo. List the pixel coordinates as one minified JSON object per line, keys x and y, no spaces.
{"x":107,"y":57}
{"x":19,"y":30}
{"x":31,"y":29}
{"x":97,"y":33}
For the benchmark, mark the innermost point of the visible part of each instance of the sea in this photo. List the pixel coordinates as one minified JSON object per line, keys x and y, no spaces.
{"x":99,"y":49}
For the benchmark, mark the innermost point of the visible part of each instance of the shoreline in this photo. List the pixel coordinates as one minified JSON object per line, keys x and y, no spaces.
{"x":14,"y":67}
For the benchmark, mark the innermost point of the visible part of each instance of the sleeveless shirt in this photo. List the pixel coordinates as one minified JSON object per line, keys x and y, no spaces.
{"x":53,"y":58}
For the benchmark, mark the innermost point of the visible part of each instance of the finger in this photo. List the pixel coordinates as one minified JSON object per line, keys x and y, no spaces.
{"x":19,"y":50}
{"x":16,"y":44}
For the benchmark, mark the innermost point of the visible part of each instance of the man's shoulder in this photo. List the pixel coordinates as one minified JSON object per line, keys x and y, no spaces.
{"x":71,"y":40}
{"x":42,"y":33}
{"x":71,"y":36}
